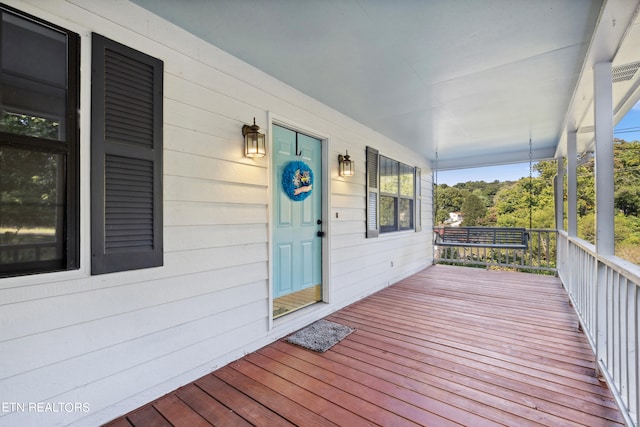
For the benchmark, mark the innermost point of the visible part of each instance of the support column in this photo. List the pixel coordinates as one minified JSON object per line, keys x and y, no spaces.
{"x":572,"y":185}
{"x":605,"y":242}
{"x":603,"y":113}
{"x":559,"y":189}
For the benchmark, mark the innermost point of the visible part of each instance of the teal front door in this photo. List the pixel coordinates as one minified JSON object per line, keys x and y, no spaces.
{"x":297,"y":204}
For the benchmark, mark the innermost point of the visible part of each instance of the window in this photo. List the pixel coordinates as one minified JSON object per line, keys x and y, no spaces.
{"x":393,"y":199}
{"x":126,"y":158}
{"x":39,"y":68}
{"x":396,"y":195}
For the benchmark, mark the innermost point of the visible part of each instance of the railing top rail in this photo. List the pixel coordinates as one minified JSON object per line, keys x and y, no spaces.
{"x":583,"y":244}
{"x":628,"y":269}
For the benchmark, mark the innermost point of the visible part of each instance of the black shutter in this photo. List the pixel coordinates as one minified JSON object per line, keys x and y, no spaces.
{"x":373,"y":193}
{"x":126,"y":158}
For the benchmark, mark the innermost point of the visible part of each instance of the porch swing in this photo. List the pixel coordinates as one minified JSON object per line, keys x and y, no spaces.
{"x":485,"y":237}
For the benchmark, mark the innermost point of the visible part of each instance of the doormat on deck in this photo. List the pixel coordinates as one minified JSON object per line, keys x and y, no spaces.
{"x":320,"y":336}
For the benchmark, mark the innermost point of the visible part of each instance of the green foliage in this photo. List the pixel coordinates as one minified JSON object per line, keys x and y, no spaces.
{"x":587,"y":227}
{"x":627,"y":177}
{"x":473,"y":210}
{"x":452,"y":198}
{"x":627,"y":200}
{"x":531,"y":201}
{"x":586,"y":189}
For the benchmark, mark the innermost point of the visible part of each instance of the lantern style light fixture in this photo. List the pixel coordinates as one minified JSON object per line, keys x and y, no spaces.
{"x":346,"y":166}
{"x":254,"y":141}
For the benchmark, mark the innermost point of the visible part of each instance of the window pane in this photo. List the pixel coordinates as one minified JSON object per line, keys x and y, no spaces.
{"x":33,"y":51}
{"x":388,"y":175}
{"x":31,"y":206}
{"x":39,"y":226}
{"x":387,"y":213}
{"x":406,"y":180}
{"x":23,"y":124}
{"x":32,"y":79}
{"x":405,"y":214}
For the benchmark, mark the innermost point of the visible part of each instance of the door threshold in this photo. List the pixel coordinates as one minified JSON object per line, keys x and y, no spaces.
{"x":295,"y":301}
{"x":285,"y":312}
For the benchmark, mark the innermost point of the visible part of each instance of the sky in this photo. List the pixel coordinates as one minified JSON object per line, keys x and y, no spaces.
{"x":628,"y":129}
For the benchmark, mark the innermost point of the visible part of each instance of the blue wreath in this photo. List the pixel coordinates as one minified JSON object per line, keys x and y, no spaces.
{"x":297,"y":180}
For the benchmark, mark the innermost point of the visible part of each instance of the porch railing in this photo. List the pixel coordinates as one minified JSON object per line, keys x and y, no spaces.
{"x":605,"y":293}
{"x":539,"y":256}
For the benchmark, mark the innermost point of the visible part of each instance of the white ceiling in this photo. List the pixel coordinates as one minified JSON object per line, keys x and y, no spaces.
{"x":472,"y":80}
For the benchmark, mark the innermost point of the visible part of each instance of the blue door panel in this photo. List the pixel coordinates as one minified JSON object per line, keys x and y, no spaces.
{"x":297,"y":248}
{"x":284,"y":267}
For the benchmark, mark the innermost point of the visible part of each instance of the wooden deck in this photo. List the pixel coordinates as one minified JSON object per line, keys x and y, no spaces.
{"x":448,"y":346}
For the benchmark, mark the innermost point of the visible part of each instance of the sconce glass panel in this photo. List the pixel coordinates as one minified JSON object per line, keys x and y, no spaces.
{"x":254,"y":145}
{"x":254,"y":141}
{"x":346,"y":166}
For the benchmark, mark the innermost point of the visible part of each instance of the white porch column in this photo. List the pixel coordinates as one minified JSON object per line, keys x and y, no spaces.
{"x":572,"y":185}
{"x":559,"y":189}
{"x":605,"y":243}
{"x":603,"y":113}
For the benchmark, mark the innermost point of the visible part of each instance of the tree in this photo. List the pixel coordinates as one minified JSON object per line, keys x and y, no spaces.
{"x":473,"y":210}
{"x":627,"y":177}
{"x":627,"y":200}
{"x":512,"y":205}
{"x":448,"y":199}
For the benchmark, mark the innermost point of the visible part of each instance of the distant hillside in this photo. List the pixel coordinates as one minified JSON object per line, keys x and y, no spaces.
{"x":530,"y":202}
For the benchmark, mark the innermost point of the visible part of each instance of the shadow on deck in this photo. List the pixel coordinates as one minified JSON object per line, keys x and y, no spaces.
{"x":447,"y":346}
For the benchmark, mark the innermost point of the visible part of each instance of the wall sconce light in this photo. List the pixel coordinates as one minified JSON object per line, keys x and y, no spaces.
{"x":345,"y":165}
{"x":254,"y":141}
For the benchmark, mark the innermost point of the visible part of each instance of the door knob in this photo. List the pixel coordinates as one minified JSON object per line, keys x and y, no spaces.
{"x":320,"y":233}
{"x":319,"y":222}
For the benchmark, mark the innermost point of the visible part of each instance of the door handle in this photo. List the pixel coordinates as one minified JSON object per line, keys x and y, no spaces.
{"x":320,"y":233}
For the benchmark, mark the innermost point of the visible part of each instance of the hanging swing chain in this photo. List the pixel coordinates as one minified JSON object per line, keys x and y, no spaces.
{"x":530,"y":184}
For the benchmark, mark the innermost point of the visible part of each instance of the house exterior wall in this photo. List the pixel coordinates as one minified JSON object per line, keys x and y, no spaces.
{"x":109,"y":343}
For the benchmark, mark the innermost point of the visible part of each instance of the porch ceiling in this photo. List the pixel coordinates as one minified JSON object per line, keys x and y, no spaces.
{"x":470,"y":80}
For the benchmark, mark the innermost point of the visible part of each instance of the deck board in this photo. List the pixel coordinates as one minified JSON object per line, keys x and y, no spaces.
{"x":448,"y":346}
{"x":148,"y":416}
{"x":178,"y":413}
{"x":209,"y":408}
{"x":238,"y":401}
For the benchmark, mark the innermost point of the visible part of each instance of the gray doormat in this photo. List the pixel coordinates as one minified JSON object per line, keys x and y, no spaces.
{"x":320,"y":336}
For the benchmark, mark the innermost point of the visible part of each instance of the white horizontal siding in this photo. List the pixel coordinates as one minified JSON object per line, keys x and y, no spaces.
{"x":178,"y":213}
{"x":188,"y":165}
{"x":81,"y":309}
{"x":207,"y":236}
{"x":119,"y":340}
{"x":184,"y":189}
